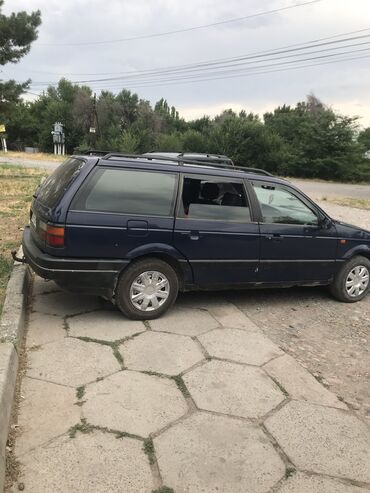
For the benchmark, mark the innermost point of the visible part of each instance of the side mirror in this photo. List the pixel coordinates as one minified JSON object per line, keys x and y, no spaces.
{"x":324,"y":222}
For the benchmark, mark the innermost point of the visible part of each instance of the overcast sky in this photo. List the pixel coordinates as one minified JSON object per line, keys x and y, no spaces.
{"x":345,"y":85}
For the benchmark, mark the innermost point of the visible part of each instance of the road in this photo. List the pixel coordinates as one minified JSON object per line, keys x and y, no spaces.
{"x":319,"y":189}
{"x":28,"y":163}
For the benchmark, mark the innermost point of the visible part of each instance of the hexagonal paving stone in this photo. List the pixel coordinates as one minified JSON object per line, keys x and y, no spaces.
{"x":243,"y":346}
{"x":93,"y":462}
{"x":299,"y":383}
{"x":233,"y":389}
{"x":230,"y":316}
{"x":322,"y":439}
{"x":58,"y":413}
{"x":187,"y":321}
{"x":213,"y":454}
{"x":72,"y":362}
{"x":104,"y":325}
{"x":303,"y":483}
{"x":163,"y":353}
{"x":133,"y":402}
{"x":64,"y":303}
{"x":44,"y":328}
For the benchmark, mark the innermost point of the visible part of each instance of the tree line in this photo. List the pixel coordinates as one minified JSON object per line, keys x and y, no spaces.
{"x":306,"y":140}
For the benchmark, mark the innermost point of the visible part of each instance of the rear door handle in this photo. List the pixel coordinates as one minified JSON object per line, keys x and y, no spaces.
{"x":193,"y":235}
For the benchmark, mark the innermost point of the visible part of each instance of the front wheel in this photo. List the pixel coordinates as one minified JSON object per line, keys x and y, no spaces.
{"x":147,"y":289}
{"x":352,"y":282}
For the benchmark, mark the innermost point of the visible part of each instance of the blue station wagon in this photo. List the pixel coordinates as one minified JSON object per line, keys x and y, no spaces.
{"x":138,"y":229}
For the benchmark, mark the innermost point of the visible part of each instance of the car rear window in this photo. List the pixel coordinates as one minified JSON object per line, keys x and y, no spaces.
{"x":52,"y":189}
{"x":128,"y":192}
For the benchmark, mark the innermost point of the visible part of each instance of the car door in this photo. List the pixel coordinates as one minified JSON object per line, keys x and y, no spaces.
{"x":215,"y":230}
{"x":297,"y":243}
{"x":119,"y":210}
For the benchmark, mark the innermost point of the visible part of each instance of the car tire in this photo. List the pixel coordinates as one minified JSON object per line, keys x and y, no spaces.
{"x":146,"y":289}
{"x":353,"y":275}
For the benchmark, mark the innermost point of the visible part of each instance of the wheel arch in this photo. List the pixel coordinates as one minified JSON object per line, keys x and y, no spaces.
{"x":167,"y":254}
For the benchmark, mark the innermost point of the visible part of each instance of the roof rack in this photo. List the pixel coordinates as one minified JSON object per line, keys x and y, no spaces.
{"x":181,"y":161}
{"x":90,"y":152}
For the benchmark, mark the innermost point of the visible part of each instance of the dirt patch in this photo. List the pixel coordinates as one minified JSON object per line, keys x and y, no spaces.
{"x":12,"y":466}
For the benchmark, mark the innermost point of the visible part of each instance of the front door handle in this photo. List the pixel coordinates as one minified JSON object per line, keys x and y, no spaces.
{"x":274,"y":237}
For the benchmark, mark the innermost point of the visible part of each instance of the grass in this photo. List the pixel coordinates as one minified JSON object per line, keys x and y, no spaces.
{"x":349,"y":202}
{"x":17,"y":184}
{"x":38,"y":156}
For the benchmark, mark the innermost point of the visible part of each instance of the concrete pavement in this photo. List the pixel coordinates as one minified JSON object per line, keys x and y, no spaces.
{"x":196,"y":401}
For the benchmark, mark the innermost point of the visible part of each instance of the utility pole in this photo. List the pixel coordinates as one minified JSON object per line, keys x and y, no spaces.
{"x":3,"y":138}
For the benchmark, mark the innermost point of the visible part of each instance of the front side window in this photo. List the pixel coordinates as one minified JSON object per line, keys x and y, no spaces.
{"x":279,"y":205}
{"x":128,"y":192}
{"x":214,"y":199}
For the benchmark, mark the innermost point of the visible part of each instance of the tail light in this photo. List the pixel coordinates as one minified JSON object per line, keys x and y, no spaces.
{"x":52,"y":235}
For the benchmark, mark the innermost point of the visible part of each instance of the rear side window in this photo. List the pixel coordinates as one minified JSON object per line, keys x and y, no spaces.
{"x":57,"y":183}
{"x":128,"y":192}
{"x":214,"y":199}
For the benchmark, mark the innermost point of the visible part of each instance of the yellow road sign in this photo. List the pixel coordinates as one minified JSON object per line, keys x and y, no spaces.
{"x":2,"y":128}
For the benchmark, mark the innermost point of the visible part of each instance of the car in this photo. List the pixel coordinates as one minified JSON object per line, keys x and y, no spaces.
{"x":137,"y":231}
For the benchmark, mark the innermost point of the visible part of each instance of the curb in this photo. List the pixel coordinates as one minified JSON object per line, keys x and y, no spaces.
{"x":12,"y":326}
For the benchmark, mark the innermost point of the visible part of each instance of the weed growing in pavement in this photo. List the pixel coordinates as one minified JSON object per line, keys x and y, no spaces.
{"x":80,"y":392}
{"x":82,"y":427}
{"x":164,"y":489}
{"x":289,"y":471}
{"x":148,"y":448}
{"x":181,"y":385}
{"x":114,"y":345}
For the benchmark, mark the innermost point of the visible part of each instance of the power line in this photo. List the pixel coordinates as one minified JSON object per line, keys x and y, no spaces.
{"x":244,"y":74}
{"x":64,"y":74}
{"x":249,"y":74}
{"x":230,"y":73}
{"x":187,"y":29}
{"x":276,"y":54}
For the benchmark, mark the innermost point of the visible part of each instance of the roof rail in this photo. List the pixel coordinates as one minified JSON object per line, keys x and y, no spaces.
{"x":90,"y":152}
{"x":184,"y":161}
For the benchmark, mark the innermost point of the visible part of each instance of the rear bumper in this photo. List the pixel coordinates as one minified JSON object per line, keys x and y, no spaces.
{"x":91,"y":276}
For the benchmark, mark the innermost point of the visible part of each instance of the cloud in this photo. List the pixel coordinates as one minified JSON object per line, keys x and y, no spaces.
{"x":343,"y":85}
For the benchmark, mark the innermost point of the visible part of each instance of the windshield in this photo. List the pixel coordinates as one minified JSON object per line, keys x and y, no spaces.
{"x":52,"y":189}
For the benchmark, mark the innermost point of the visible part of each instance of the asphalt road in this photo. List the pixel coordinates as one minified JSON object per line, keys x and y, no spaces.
{"x":28,"y":163}
{"x":319,"y":189}
{"x":316,"y":189}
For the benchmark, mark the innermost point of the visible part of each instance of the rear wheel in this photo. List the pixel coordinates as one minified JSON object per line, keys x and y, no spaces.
{"x":352,"y":282}
{"x":146,"y":289}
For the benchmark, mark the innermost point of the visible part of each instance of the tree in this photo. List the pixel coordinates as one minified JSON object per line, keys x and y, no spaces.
{"x":364,"y":138}
{"x":17,"y":32}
